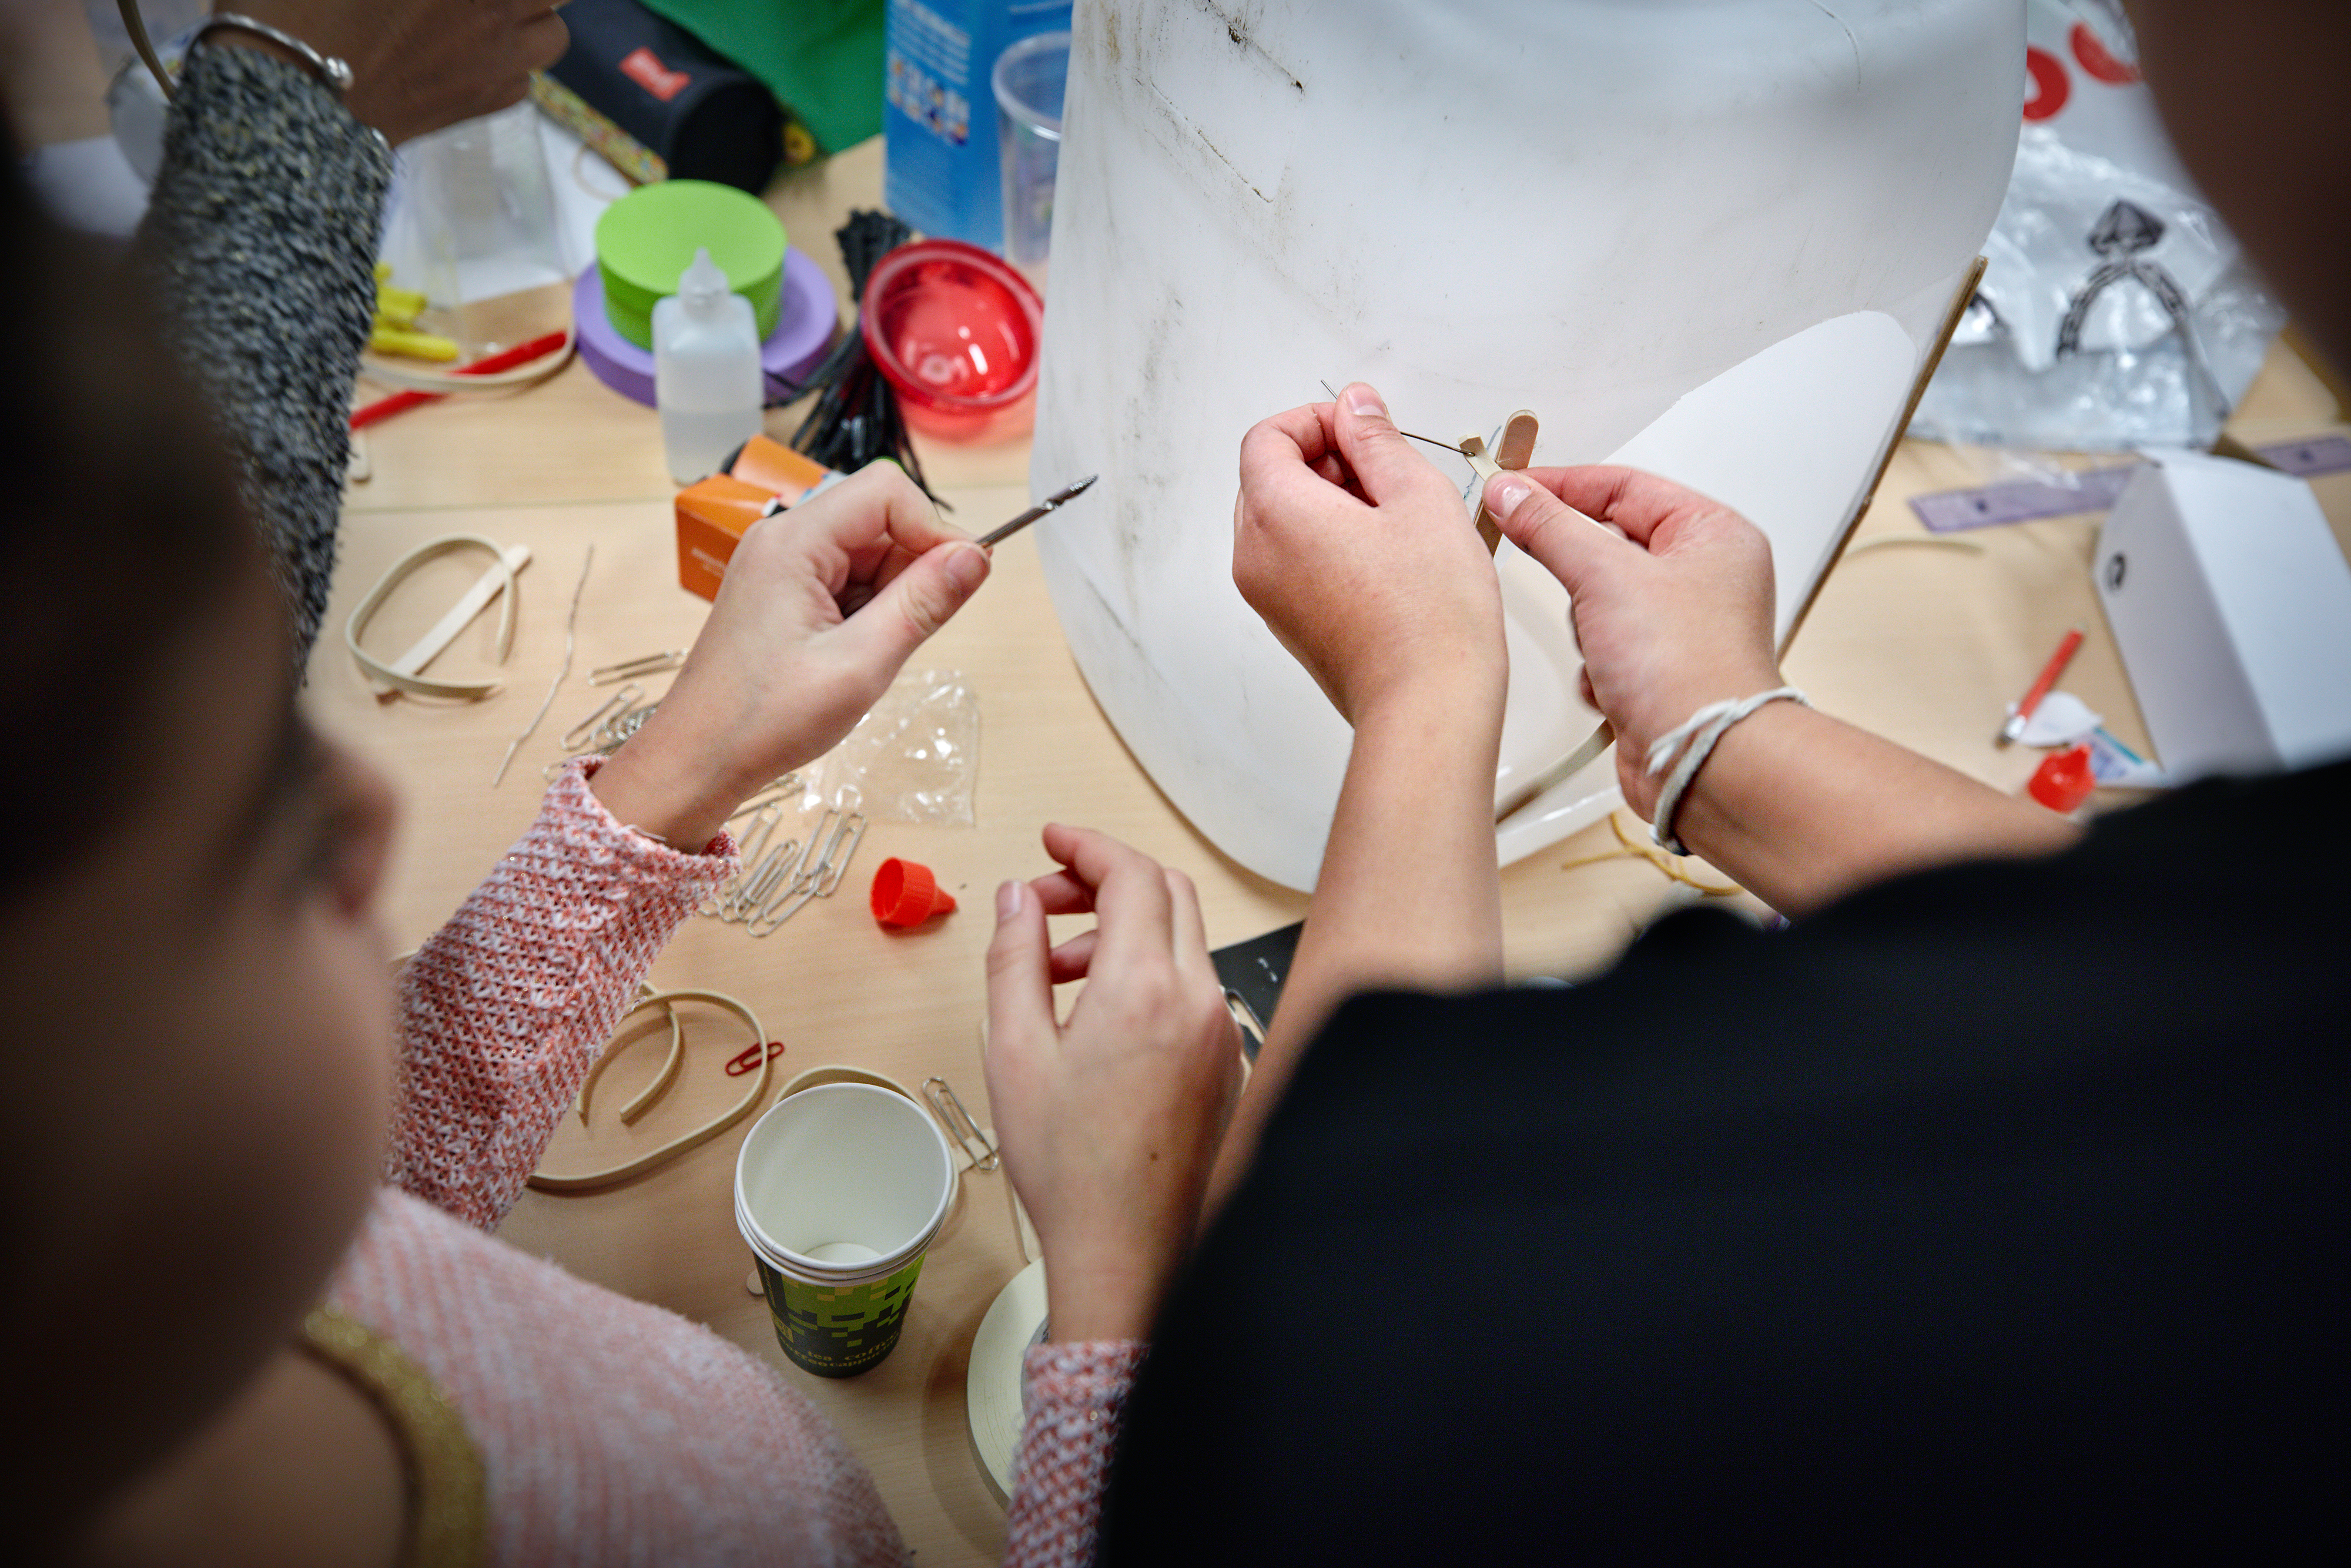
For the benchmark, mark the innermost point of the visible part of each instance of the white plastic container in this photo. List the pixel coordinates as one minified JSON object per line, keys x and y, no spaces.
{"x":1714,"y":238}
{"x":706,"y":370}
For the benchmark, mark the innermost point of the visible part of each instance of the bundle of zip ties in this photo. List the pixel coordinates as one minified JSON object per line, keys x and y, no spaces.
{"x":855,"y":419}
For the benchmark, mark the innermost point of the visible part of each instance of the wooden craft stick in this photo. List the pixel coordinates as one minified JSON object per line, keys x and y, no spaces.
{"x":430,"y":647}
{"x":1473,"y":447}
{"x":1514,"y":451}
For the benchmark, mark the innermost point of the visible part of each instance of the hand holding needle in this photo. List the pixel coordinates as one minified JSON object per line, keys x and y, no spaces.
{"x":1408,"y":436}
{"x":1053,"y":502}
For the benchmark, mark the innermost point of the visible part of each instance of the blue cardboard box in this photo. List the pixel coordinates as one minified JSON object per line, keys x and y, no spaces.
{"x":939,"y":111}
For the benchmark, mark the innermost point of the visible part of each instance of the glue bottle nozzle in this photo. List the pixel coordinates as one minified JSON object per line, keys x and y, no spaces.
{"x":703,"y":283}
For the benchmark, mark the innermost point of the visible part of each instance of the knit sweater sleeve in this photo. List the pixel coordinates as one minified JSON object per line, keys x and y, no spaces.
{"x":1074,"y":1395}
{"x":502,"y":1011}
{"x":261,"y":238}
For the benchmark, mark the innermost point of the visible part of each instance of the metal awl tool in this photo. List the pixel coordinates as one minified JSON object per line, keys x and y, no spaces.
{"x":1053,"y":502}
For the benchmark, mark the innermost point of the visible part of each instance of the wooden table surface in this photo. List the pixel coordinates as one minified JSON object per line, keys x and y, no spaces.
{"x":1923,"y":645}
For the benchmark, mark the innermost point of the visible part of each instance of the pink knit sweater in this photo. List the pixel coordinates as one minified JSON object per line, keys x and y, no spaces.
{"x":612,"y":1431}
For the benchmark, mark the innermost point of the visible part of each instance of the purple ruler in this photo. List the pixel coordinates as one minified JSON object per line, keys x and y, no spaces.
{"x":2097,"y":489}
{"x":2020,"y":500}
{"x":2308,"y":459}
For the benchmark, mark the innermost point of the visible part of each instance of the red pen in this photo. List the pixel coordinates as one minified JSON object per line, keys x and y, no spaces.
{"x":505,"y":360}
{"x":2014,"y":728}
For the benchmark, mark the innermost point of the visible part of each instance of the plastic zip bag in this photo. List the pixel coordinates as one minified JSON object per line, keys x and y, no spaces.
{"x":913,"y":758}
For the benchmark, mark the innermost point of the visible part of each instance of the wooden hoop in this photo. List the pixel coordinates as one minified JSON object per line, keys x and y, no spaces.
{"x":422,"y":686}
{"x":653,"y":1159}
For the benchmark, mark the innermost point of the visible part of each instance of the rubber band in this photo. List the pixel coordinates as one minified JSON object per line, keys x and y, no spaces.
{"x":423,"y":686}
{"x":654,"y":1158}
{"x":1630,"y":848}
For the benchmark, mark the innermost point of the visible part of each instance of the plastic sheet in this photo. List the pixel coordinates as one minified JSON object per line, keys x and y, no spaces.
{"x":913,"y":758}
{"x":2132,"y":382}
{"x":2100,"y":223}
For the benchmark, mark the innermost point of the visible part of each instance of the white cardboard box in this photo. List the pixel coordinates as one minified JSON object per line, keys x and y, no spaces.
{"x":2232,"y":604}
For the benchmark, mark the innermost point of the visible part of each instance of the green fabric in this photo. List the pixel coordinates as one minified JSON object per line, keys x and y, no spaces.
{"x":821,"y":58}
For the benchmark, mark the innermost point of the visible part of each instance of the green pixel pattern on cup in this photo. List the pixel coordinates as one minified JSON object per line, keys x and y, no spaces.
{"x":838,"y":1331}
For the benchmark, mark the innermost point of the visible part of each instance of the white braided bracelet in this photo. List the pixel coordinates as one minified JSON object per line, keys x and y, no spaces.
{"x":1702,"y":729}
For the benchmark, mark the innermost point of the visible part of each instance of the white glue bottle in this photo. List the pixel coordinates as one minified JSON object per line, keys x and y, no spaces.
{"x":707,"y":380}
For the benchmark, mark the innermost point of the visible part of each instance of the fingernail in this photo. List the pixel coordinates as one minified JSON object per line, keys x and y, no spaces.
{"x":1503,"y":496}
{"x":1007,"y":902}
{"x":1364,"y":401}
{"x":967,"y":567}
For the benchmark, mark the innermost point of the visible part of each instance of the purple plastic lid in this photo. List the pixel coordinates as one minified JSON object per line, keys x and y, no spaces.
{"x":805,"y":320}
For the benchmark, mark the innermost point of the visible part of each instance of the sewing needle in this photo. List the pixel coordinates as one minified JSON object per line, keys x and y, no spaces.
{"x":1053,"y":502}
{"x":1453,"y":446}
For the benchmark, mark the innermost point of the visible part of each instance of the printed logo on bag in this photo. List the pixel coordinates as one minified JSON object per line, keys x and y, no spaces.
{"x":642,"y":67}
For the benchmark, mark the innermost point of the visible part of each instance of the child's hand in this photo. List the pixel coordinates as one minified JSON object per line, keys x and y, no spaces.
{"x":1110,"y":1122}
{"x":820,"y":608}
{"x":1364,"y":562}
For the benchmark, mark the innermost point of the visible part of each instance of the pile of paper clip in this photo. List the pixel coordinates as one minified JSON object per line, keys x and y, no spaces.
{"x":620,"y":715}
{"x":777,"y":879}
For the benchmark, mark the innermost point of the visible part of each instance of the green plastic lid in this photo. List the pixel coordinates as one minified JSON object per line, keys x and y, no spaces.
{"x":649,"y":237}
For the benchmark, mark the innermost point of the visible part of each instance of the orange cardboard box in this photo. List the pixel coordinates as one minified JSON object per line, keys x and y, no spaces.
{"x":713,"y":513}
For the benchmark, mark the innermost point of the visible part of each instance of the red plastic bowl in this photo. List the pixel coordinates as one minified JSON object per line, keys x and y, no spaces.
{"x":955,"y":330}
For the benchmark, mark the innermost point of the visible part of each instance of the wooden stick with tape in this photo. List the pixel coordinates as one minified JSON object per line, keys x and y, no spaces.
{"x":1514,"y":451}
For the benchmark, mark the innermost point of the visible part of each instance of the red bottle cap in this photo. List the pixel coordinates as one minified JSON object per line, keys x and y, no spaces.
{"x":906,"y":893}
{"x":2064,"y":780}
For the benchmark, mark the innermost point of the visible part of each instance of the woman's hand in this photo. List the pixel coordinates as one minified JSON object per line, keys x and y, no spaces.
{"x":1110,"y":1122}
{"x":820,"y":608}
{"x":1671,"y":597}
{"x":1672,"y":602}
{"x":417,"y":65}
{"x":1362,"y":560}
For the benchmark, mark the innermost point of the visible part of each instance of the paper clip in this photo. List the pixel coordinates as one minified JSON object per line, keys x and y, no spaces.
{"x":579,"y":736}
{"x":770,"y":919}
{"x":754,"y":841}
{"x":648,"y":664}
{"x":977,"y":1147}
{"x":847,"y":830}
{"x":834,"y":868}
{"x":767,"y":794}
{"x":775,"y":900}
{"x":614,"y":732}
{"x":748,"y":1060}
{"x":760,"y":883}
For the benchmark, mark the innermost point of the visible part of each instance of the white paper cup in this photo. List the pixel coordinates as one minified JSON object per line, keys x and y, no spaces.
{"x":840,"y":1189}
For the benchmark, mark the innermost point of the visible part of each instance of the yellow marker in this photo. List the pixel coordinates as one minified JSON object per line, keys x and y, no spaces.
{"x":414,"y":345}
{"x":383,"y":272}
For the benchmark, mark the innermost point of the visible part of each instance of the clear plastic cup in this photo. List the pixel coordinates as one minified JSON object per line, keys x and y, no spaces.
{"x":477,"y":221}
{"x":1028,"y":78}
